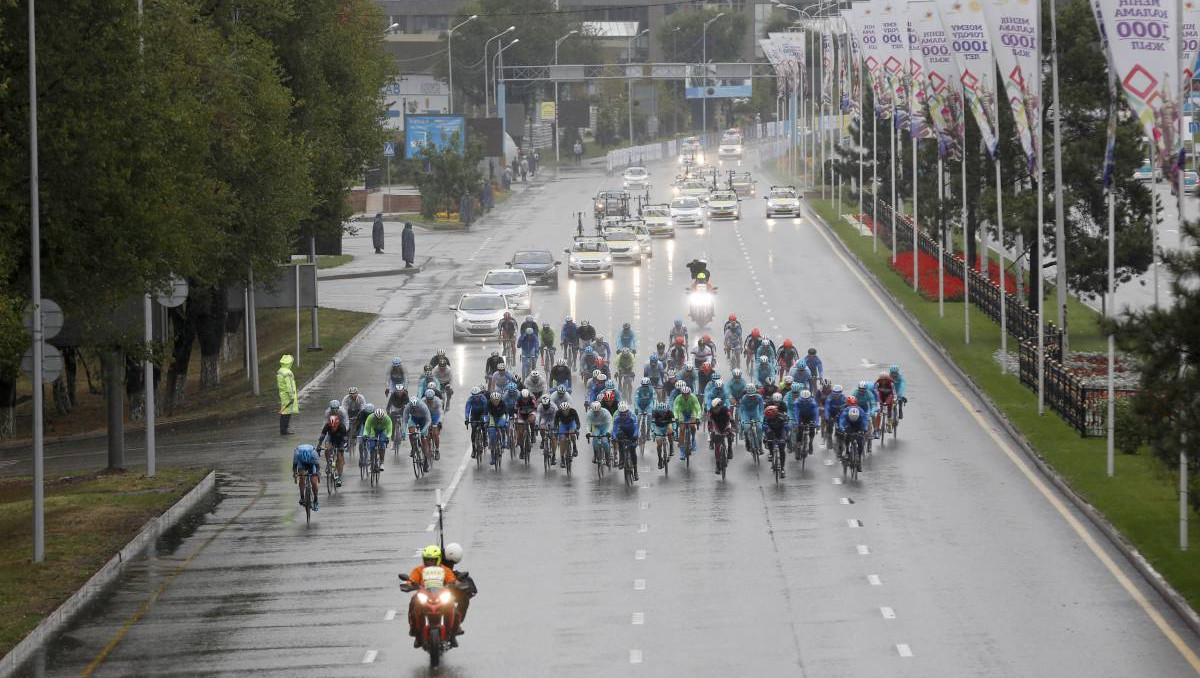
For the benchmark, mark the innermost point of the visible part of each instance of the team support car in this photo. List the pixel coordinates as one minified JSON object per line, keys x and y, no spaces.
{"x":782,"y":201}
{"x":589,"y":256}
{"x":741,"y":183}
{"x":611,"y":204}
{"x":624,"y":246}
{"x":478,"y":314}
{"x":724,"y":205}
{"x":635,"y":178}
{"x":509,"y":283}
{"x":645,"y":241}
{"x":658,"y":220}
{"x":540,"y":266}
{"x":691,"y":151}
{"x":730,"y":148}
{"x":687,"y":209}
{"x":695,"y":188}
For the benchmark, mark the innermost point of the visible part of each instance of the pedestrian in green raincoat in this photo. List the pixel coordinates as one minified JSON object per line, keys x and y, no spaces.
{"x":289,"y":401}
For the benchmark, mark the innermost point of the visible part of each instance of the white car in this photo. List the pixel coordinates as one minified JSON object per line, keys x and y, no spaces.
{"x":624,"y":245}
{"x":1147,"y":171}
{"x":589,"y":256}
{"x":638,"y":227}
{"x":510,"y":283}
{"x":687,"y":209}
{"x":782,"y":200}
{"x":695,"y":188}
{"x":724,"y":205}
{"x":635,"y":177}
{"x":730,"y":148}
{"x":478,"y":314}
{"x":658,"y":220}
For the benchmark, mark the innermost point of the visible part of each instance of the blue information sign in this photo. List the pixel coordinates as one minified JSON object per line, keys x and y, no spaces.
{"x":420,"y":130}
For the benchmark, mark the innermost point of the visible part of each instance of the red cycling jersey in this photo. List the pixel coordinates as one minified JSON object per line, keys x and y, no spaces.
{"x":886,"y":389}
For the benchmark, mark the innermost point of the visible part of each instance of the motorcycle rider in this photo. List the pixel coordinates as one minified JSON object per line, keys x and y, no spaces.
{"x":698,"y":270}
{"x":431,"y":575}
{"x":465,"y":590}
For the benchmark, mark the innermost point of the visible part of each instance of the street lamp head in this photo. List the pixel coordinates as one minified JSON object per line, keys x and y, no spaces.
{"x":473,"y":16}
{"x":510,"y":28}
{"x":392,"y":28}
{"x":644,"y":31}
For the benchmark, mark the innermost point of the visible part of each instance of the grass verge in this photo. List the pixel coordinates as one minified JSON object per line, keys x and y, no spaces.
{"x":1141,"y":499}
{"x":89,"y":517}
{"x":333,"y":260}
{"x":232,"y":397}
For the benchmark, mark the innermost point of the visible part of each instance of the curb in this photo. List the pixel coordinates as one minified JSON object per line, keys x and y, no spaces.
{"x":1156,"y":581}
{"x":374,"y":274}
{"x":58,"y":620}
{"x":332,"y":364}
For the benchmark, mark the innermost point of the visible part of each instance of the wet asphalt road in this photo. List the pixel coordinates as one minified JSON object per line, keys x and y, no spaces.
{"x":945,"y":559}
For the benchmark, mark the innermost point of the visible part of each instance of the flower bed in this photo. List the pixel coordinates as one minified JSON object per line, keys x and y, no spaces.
{"x":927,"y":285}
{"x":1010,"y":280}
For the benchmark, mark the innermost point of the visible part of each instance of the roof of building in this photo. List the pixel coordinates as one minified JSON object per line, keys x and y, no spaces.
{"x":610,"y":29}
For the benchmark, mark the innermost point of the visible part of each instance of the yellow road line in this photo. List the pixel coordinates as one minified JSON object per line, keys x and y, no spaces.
{"x":1021,"y":465}
{"x":137,"y":616}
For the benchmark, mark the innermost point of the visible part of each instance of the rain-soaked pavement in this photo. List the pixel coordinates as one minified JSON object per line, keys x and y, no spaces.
{"x":947,"y":558}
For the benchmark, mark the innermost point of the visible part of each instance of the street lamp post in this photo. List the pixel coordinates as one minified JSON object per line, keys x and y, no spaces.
{"x":485,"y":65}
{"x":704,"y":65}
{"x":450,"y":56}
{"x":501,"y":106}
{"x":556,"y":116}
{"x":675,"y":59}
{"x":629,"y":81}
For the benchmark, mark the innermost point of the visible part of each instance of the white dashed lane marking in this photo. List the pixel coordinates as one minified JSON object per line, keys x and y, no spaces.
{"x":874,"y":580}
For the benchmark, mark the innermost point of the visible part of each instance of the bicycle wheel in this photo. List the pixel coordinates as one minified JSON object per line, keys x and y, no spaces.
{"x":568,"y":452}
{"x":721,"y":461}
{"x":598,"y":460}
{"x":777,"y":465}
{"x":418,"y":460}
{"x":306,"y":498}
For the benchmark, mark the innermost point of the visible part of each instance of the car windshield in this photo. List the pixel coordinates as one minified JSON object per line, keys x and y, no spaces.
{"x":532,"y":258}
{"x":591,"y":246}
{"x":723,"y":197}
{"x":656,"y":212}
{"x":623,"y":235}
{"x":504,"y":278}
{"x":685,"y":202}
{"x":482,"y":302}
{"x":731,"y":141}
{"x":635,"y":172}
{"x":782,"y":194}
{"x":695,"y":184}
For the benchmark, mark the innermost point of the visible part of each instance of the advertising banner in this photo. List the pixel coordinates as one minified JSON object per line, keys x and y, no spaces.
{"x":1190,"y":47}
{"x":791,"y":48}
{"x":422,"y":130}
{"x":1144,"y":54}
{"x":943,"y":89}
{"x":967,"y":36}
{"x":1012,"y":27}
{"x":826,"y":66}
{"x":918,"y":119}
{"x":866,"y":22}
{"x":893,"y":39}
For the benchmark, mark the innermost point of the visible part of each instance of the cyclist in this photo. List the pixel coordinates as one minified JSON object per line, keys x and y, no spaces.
{"x":501,"y":379}
{"x":750,"y":410}
{"x":805,"y":411}
{"x":599,"y":424}
{"x":791,"y":393}
{"x":626,"y":339}
{"x":732,"y":324}
{"x":774,"y":428}
{"x":431,"y":574}
{"x":686,"y":409}
{"x":715,"y":390}
{"x":587,"y":333}
{"x":801,"y":375}
{"x":898,"y":380}
{"x":625,"y":363}
{"x":787,"y":357}
{"x":885,"y":391}
{"x":527,"y":324}
{"x":703,"y":354}
{"x":394,"y":376}
{"x":444,"y":376}
{"x":676,"y":391}
{"x":654,"y":371}
{"x":733,"y":336}
{"x":544,"y":413}
{"x":536,"y":383}
{"x":763,"y":374}
{"x":644,"y":397}
{"x":678,"y":330}
{"x":560,"y":395}
{"x":568,"y":336}
{"x":566,"y":422}
{"x":353,"y":403}
{"x":337,"y":433}
{"x":866,"y":402}
{"x":497,"y":420}
{"x":397,"y":401}
{"x":428,"y":381}
{"x":475,"y":411}
{"x":511,"y":394}
{"x":433,"y":403}
{"x":625,"y":429}
{"x":377,"y":430}
{"x":662,"y":423}
{"x":767,"y":348}
{"x":587,"y":360}
{"x":546,"y":339}
{"x":678,"y":354}
{"x":526,"y":411}
{"x":736,"y":386}
{"x":596,"y":386}
{"x":688,"y":376}
{"x":610,"y":398}
{"x":602,"y":348}
{"x":707,"y":340}
{"x":835,"y":403}
{"x":493,"y":362}
{"x":529,"y":349}
{"x":752,"y":344}
{"x":416,"y":415}
{"x":720,"y":422}
{"x":508,"y":329}
{"x":439,"y":358}
{"x":306,"y":460}
{"x":814,"y":364}
{"x":560,"y":375}
{"x":660,"y":350}
{"x":853,"y":420}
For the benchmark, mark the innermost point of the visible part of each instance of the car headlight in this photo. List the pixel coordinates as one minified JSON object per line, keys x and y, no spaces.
{"x":607,"y":259}
{"x":459,"y":320}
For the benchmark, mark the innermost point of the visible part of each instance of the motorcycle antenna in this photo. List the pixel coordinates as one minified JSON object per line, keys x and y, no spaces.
{"x":441,"y":522}
{"x":579,"y":223}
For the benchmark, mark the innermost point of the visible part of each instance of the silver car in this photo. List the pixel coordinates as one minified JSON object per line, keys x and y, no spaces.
{"x":687,"y":210}
{"x":624,"y":245}
{"x":478,"y":314}
{"x":589,"y":255}
{"x":509,"y":282}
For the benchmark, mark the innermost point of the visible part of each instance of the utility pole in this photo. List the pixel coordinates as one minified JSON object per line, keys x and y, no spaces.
{"x":450,"y":58}
{"x":704,"y":65}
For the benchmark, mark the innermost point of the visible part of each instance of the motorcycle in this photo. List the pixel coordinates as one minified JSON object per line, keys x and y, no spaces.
{"x":700,"y":303}
{"x":437,"y":610}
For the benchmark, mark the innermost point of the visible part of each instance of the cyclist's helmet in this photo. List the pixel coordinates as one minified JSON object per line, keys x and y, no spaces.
{"x":545,"y":399}
{"x":565,"y":406}
{"x":429,"y":393}
{"x":654,"y":358}
{"x":534,"y":374}
{"x":475,"y":390}
{"x":660,"y":407}
{"x":894,"y":369}
{"x":623,"y":407}
{"x":507,"y":315}
{"x":586,"y":322}
{"x":686,"y":389}
{"x":771,"y":411}
{"x":788,"y":379}
{"x":395,"y":362}
{"x":763,"y":359}
{"x":353,"y":390}
{"x":501,"y":366}
{"x":567,"y":319}
{"x":732,"y":317}
{"x":625,"y":326}
{"x":777,"y":397}
{"x":862,"y":385}
{"x":806,"y":393}
{"x":679,"y":341}
{"x":561,"y":362}
{"x":333,"y":404}
{"x":679,"y":385}
{"x":562,"y":388}
{"x":589,"y":350}
{"x":645,"y":381}
{"x":596,"y":406}
{"x":529,"y":331}
{"x":369,"y":408}
{"x":706,"y":339}
{"x":837,"y":389}
{"x":700,"y":342}
{"x":432,"y":552}
{"x":736,"y":373}
{"x":601,"y":378}
{"x":596,"y":373}
{"x":441,"y":353}
{"x":718,"y":383}
{"x":852,"y":401}
{"x":825,"y":383}
{"x":678,"y":322}
{"x":812,"y":351}
{"x":796,"y":388}
{"x":529,"y":319}
{"x":545,"y":326}
{"x":660,"y":345}
{"x":853,"y":414}
{"x":755,"y":333}
{"x":496,"y":396}
{"x":524,"y":393}
{"x":716,"y":402}
{"x":495,"y":354}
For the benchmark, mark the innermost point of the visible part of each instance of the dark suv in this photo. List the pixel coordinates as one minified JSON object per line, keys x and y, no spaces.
{"x":540,"y":267}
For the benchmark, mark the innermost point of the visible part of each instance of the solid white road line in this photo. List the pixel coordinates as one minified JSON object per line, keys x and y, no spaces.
{"x":635,"y":656}
{"x":639,"y":584}
{"x":874,"y":580}
{"x":863,"y":550}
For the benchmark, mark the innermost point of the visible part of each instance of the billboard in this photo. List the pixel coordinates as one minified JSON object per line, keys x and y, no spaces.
{"x":488,"y":131}
{"x":420,"y":130}
{"x":717,"y":87}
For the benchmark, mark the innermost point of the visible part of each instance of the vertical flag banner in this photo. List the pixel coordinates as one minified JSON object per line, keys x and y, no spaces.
{"x":967,"y":36}
{"x":919,"y":126}
{"x":1012,"y":26}
{"x":873,"y":56}
{"x":856,"y":56}
{"x":893,"y":38}
{"x":1144,"y":54}
{"x":826,"y":65}
{"x":1190,"y":30}
{"x":1110,"y":145}
{"x":791,"y":48}
{"x":943,"y":91}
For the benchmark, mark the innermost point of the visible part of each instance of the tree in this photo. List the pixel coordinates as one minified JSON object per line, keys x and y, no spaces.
{"x":725,"y":36}
{"x":1167,"y":341}
{"x":447,"y":174}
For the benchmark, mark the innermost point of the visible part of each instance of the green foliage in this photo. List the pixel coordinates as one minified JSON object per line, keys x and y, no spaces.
{"x":725,"y":36}
{"x":1129,"y":430}
{"x":447,"y":175}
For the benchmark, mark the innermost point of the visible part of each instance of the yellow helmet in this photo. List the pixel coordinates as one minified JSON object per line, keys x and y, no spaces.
{"x":432,"y":552}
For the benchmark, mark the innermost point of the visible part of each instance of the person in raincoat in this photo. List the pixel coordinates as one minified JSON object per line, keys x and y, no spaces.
{"x":377,"y":233}
{"x":289,"y":401}
{"x":408,"y":245}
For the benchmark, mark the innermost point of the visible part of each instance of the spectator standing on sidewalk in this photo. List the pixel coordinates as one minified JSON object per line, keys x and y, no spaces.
{"x":408,"y":244}
{"x":377,"y":233}
{"x":289,"y":401}
{"x":578,"y":151}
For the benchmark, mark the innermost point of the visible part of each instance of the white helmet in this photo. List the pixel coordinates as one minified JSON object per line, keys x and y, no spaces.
{"x":679,"y":384}
{"x":716,"y":402}
{"x":622,"y":407}
{"x":524,"y":393}
{"x":535,"y":375}
{"x":333,"y":404}
{"x":853,"y":414}
{"x":862,"y":384}
{"x":763,"y":359}
{"x":645,"y":381}
{"x":806,"y":393}
{"x":596,"y":373}
{"x":789,"y":379}
{"x":453,"y":554}
{"x":545,"y":399}
{"x":429,"y":393}
{"x":596,"y":406}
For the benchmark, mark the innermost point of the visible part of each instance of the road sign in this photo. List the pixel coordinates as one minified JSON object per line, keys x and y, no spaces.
{"x":177,"y":295}
{"x":547,"y":111}
{"x":52,"y":319}
{"x":389,"y":149}
{"x":52,"y":363}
